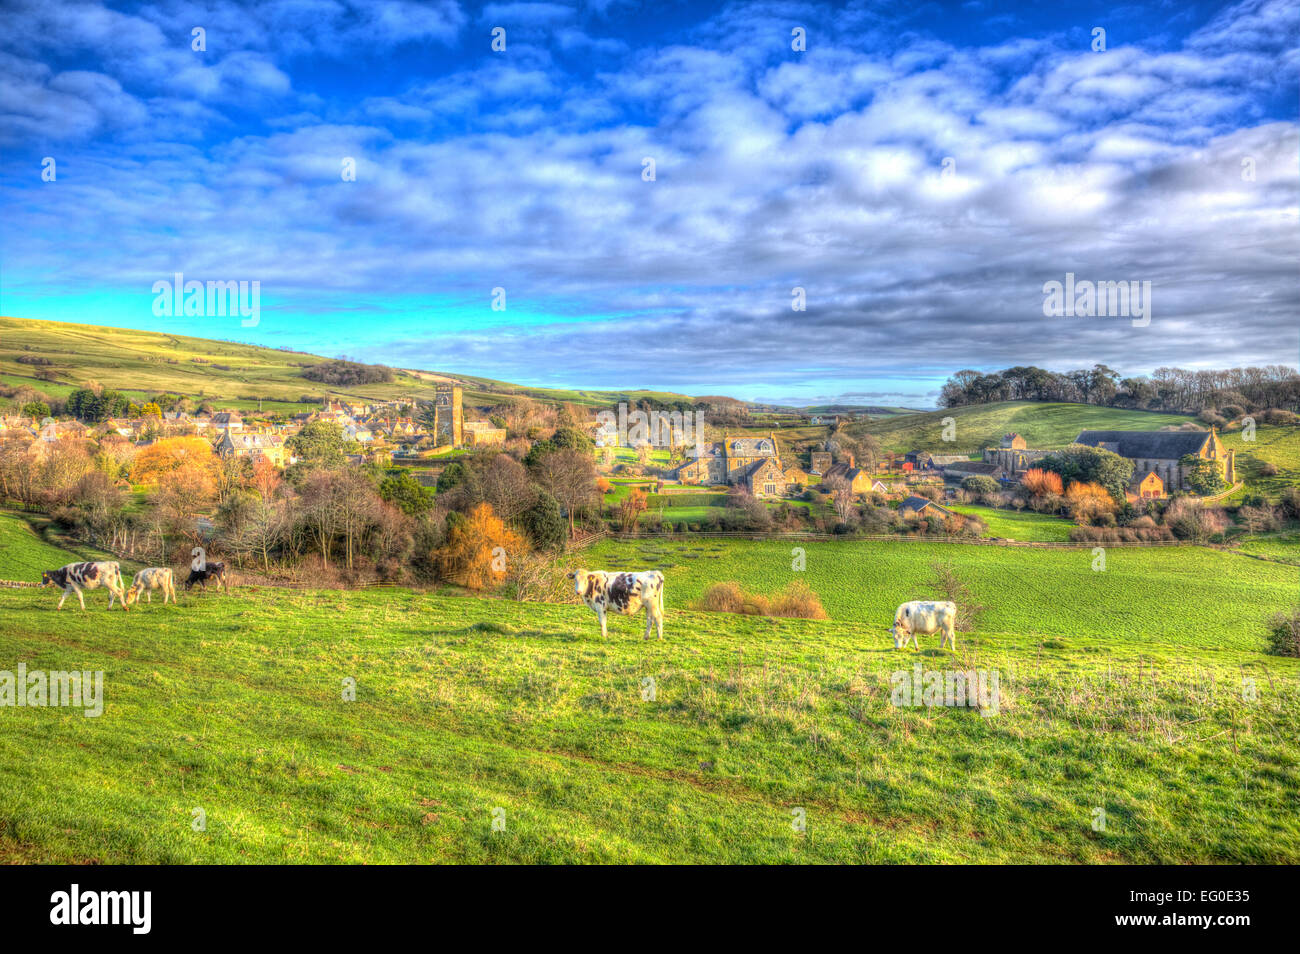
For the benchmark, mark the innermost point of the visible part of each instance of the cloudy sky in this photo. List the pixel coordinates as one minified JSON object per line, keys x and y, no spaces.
{"x":920,"y":170}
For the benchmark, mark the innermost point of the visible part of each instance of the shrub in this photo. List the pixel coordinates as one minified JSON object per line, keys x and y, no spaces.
{"x":1284,"y":632}
{"x":980,"y":484}
{"x":1269,"y":469}
{"x":797,"y":601}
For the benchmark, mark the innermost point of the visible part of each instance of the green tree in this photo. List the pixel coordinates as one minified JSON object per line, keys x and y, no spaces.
{"x":571,"y":438}
{"x":318,"y":444}
{"x":544,"y":522}
{"x":979,"y":484}
{"x":36,"y":409}
{"x":1083,"y":464}
{"x":1203,"y":475}
{"x":406,"y":493}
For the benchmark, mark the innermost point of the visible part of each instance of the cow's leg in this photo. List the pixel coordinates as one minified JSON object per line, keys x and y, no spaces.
{"x":81,"y":598}
{"x":659,"y":620}
{"x":66,"y":591}
{"x":647,"y":623}
{"x":604,"y":633}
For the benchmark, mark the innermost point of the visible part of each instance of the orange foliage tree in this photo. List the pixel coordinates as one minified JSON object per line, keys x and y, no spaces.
{"x":172,"y":454}
{"x":1040,"y":483}
{"x":1088,"y":500}
{"x":478,"y":548}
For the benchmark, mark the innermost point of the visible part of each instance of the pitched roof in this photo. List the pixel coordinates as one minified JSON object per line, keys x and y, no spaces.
{"x":918,"y":504}
{"x":1158,"y":445}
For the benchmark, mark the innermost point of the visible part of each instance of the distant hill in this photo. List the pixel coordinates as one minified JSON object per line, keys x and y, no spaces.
{"x":1042,"y":424}
{"x":237,"y":375}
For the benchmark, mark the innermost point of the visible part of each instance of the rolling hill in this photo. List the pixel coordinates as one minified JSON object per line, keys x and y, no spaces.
{"x":1042,"y":424}
{"x":139,"y":363}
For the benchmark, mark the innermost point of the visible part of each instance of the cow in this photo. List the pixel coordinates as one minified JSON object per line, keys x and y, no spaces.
{"x":921,"y":616}
{"x":624,"y":593}
{"x":76,"y":577}
{"x":213,"y":571}
{"x":150,"y":579}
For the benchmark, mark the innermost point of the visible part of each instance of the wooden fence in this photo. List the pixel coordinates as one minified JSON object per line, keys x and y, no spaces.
{"x":899,"y":538}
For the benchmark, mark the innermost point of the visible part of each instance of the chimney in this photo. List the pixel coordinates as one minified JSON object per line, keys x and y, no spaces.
{"x":851,"y":463}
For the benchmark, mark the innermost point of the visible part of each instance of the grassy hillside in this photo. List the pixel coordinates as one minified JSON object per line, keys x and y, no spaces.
{"x":140,"y":362}
{"x":1043,"y":425}
{"x":465,"y":706}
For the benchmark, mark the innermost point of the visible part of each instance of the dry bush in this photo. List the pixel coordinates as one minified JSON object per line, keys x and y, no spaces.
{"x":539,"y":578}
{"x":797,"y":601}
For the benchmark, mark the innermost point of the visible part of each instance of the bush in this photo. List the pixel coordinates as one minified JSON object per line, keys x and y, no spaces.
{"x":1284,"y":633}
{"x":796,"y":601}
{"x":980,"y":484}
{"x":1269,"y":469}
{"x":1291,"y":502}
{"x":544,"y":522}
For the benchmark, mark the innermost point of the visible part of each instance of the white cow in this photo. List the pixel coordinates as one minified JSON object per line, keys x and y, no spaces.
{"x":622,"y":593}
{"x":150,"y":579}
{"x":921,"y":616}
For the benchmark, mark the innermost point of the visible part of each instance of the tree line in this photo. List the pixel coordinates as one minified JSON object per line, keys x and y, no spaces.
{"x":1230,"y":393}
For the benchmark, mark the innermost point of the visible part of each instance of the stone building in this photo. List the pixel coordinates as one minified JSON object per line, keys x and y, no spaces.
{"x":1161,"y":452}
{"x":737,"y":461}
{"x":483,"y":433}
{"x":449,"y":416}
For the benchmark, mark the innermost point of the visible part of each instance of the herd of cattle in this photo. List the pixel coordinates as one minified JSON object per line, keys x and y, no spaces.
{"x":603,"y":592}
{"x":79,"y":577}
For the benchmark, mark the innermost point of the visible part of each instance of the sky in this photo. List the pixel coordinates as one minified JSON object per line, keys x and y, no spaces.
{"x":918,"y":170}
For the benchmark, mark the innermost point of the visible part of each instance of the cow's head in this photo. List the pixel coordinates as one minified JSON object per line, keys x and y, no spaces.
{"x":133,"y":593}
{"x":52,"y":578}
{"x":900,"y":631}
{"x":579,"y":578}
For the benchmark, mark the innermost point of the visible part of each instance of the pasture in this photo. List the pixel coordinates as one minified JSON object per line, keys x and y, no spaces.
{"x":1121,"y":690}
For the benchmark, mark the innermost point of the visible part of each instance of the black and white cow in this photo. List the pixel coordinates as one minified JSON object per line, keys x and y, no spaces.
{"x":624,"y":593}
{"x":212,"y":571}
{"x":76,"y":577}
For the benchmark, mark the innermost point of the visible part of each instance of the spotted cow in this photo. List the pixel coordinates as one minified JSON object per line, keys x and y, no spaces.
{"x":211,"y":571}
{"x":76,"y":577}
{"x":624,"y":593}
{"x":920,"y":616}
{"x":150,"y":579}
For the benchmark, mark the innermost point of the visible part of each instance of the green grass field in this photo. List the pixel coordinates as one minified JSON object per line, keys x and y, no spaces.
{"x":1120,"y":690}
{"x":144,"y":362}
{"x":1024,"y":525}
{"x":1042,"y":424}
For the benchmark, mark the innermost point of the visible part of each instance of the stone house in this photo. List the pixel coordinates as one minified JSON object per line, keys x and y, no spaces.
{"x":254,"y":446}
{"x":1161,"y":452}
{"x":731,"y":461}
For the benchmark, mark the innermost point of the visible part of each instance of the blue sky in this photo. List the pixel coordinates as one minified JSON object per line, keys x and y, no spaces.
{"x":775,"y":168}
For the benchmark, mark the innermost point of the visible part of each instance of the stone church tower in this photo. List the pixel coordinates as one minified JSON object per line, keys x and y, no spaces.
{"x":449,"y":420}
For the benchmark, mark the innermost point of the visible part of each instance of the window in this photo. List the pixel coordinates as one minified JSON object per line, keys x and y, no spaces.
{"x":769,"y":488}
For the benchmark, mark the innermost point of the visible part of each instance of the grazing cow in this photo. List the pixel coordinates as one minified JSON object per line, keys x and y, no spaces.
{"x":920,"y":616}
{"x":150,"y":579}
{"x":624,"y":593}
{"x":213,"y":571}
{"x":76,"y":577}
